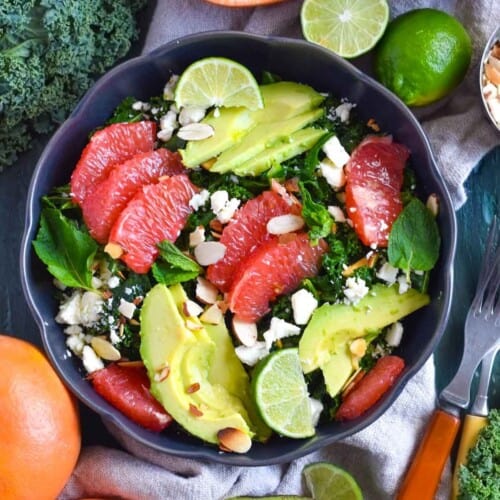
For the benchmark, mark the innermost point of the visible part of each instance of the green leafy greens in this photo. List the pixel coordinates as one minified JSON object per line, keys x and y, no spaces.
{"x":316,"y":216}
{"x":66,"y":250}
{"x":414,"y":240}
{"x":174,"y":266}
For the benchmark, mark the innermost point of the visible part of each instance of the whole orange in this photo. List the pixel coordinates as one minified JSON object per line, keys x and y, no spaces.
{"x":39,"y":424}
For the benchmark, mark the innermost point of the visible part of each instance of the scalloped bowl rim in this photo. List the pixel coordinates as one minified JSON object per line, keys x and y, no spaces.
{"x":113,"y":416}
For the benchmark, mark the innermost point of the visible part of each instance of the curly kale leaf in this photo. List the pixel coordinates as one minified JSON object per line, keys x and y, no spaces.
{"x":479,"y":478}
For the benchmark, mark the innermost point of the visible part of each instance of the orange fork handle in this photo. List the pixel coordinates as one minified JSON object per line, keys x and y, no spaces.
{"x":423,"y":476}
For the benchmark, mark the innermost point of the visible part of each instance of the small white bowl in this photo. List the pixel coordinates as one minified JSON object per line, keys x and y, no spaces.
{"x":483,"y":81}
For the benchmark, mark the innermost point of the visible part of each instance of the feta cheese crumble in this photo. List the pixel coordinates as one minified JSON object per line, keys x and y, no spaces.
{"x":388,"y":273}
{"x":250,"y":355}
{"x":303,"y":305}
{"x":199,"y":199}
{"x":394,"y":334}
{"x":336,"y":152}
{"x":223,"y":207}
{"x":279,"y":329}
{"x":355,"y":290}
{"x":126,"y":308}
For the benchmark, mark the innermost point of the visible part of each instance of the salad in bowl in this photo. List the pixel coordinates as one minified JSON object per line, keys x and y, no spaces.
{"x":236,"y":257}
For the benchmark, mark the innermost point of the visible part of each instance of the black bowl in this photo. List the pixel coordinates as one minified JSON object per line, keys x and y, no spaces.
{"x":295,"y":60}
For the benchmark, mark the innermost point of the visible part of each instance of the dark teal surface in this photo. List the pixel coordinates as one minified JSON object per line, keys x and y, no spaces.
{"x":474,"y":218}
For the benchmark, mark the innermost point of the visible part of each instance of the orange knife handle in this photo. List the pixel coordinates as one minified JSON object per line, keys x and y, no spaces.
{"x":424,"y":474}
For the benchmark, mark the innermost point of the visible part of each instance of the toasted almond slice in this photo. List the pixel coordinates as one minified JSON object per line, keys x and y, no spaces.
{"x":162,"y":373}
{"x":195,"y":132}
{"x":206,"y":292}
{"x":433,"y":204}
{"x":114,"y":250}
{"x":191,"y":308}
{"x":358,"y":347}
{"x":283,"y":224}
{"x":245,"y":331}
{"x":209,"y":252}
{"x":195,"y":411}
{"x":212,"y":315}
{"x":193,"y":325}
{"x":234,"y":440}
{"x":105,"y":349}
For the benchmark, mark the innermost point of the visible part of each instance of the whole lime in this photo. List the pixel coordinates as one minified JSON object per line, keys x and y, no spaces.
{"x":423,"y":55}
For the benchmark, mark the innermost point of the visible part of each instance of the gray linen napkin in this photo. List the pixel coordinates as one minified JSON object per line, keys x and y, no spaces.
{"x":379,"y":455}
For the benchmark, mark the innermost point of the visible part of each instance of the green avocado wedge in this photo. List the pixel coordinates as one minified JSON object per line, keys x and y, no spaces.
{"x":179,"y":361}
{"x":291,"y":146}
{"x":265,"y":135}
{"x":333,"y":325}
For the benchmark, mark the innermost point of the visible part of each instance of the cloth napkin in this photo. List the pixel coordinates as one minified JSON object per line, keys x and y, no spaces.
{"x":379,"y":455}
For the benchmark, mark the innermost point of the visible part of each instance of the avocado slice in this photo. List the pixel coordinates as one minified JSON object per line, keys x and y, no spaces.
{"x":337,"y":370}
{"x":332,"y":326}
{"x":196,"y":399}
{"x":295,"y":144}
{"x":226,"y":370}
{"x":230,"y":125}
{"x":282,"y":100}
{"x":265,"y":135}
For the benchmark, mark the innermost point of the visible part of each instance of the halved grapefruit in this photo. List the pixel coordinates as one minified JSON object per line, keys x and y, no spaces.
{"x":277,"y":267}
{"x":245,"y":233}
{"x":107,"y":147}
{"x":374,"y":176}
{"x":102,"y":206}
{"x":156,"y":213}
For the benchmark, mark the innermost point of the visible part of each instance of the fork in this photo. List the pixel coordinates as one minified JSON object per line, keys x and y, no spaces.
{"x":482,"y":336}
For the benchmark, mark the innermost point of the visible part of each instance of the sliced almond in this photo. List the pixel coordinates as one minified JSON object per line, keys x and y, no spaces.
{"x":209,"y":252}
{"x":283,"y":224}
{"x":191,"y":308}
{"x":231,"y":439}
{"x":114,"y":250}
{"x":193,"y":325}
{"x":105,"y":349}
{"x":193,"y":388}
{"x":162,"y":373}
{"x":197,"y":236}
{"x":195,"y":411}
{"x":245,"y":331}
{"x":206,"y":292}
{"x":433,"y":204}
{"x":195,"y":132}
{"x":212,"y":315}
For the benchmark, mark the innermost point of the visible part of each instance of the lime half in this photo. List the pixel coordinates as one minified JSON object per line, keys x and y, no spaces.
{"x":347,"y":27}
{"x":281,"y":395}
{"x":326,"y":481}
{"x":217,"y":81}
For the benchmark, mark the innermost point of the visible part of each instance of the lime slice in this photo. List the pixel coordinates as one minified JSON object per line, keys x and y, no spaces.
{"x":217,"y":81}
{"x":326,"y":481}
{"x":347,"y":27}
{"x":280,"y":393}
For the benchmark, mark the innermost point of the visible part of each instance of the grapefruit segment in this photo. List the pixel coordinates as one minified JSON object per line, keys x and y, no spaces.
{"x":102,"y":206}
{"x":374,"y":176}
{"x":245,"y":233}
{"x":156,"y":213}
{"x":277,"y":267}
{"x":107,"y":147}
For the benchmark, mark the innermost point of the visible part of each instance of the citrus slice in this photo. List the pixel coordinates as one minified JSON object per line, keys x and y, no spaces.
{"x":280,"y":393}
{"x":348,"y":28}
{"x":326,"y":481}
{"x":217,"y":81}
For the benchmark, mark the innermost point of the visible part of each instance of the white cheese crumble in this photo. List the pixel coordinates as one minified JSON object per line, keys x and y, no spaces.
{"x":279,"y":329}
{"x":113,"y":282}
{"x":126,"y":308}
{"x":80,"y":309}
{"x":403,"y":284}
{"x":343,"y":111}
{"x":333,"y":175}
{"x":75,"y":344}
{"x":355,"y":290}
{"x":388,"y":273}
{"x":303,"y":305}
{"x":223,"y":207}
{"x":251,"y":355}
{"x":91,"y":361}
{"x":199,"y":199}
{"x":168,"y":90}
{"x":168,"y":121}
{"x":394,"y":334}
{"x":192,"y":114}
{"x":336,"y":152}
